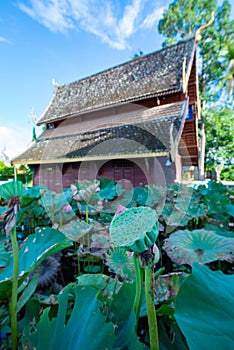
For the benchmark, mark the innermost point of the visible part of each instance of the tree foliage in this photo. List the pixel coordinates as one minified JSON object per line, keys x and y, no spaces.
{"x":6,"y":172}
{"x":227,"y":80}
{"x":216,"y":49}
{"x":184,"y":18}
{"x":219,"y":137}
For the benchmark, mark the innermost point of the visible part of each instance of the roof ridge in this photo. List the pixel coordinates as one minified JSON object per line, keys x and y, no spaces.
{"x":180,"y":42}
{"x":158,"y":72}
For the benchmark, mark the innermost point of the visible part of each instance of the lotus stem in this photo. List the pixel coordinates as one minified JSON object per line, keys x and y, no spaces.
{"x":13,"y":303}
{"x":139,"y":288}
{"x":150,"y":308}
{"x":60,"y":219}
{"x":87,"y":221}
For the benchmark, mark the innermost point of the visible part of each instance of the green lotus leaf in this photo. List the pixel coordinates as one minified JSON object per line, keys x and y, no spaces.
{"x":4,"y":255}
{"x":86,"y":191}
{"x":108,"y":189}
{"x":187,"y":247}
{"x":135,"y":229}
{"x":3,"y":210}
{"x":86,"y":327}
{"x":221,"y":231}
{"x":155,"y":194}
{"x":45,"y":242}
{"x":31,"y":194}
{"x":97,"y":281}
{"x":125,"y":319}
{"x":53,"y":202}
{"x":140,"y":195}
{"x":230,"y":209}
{"x":11,"y":189}
{"x":75,"y":230}
{"x":125,"y":199}
{"x":204,"y":309}
{"x":148,"y":195}
{"x":177,"y":218}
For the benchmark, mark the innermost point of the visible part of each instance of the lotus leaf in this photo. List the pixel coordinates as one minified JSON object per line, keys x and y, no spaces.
{"x":155,"y":195}
{"x":34,"y":250}
{"x":140,"y":195}
{"x":4,"y":255}
{"x":108,"y":189}
{"x":187,"y":247}
{"x":98,"y":281}
{"x":170,"y":336}
{"x":215,"y":196}
{"x":221,"y":231}
{"x":125,"y":199}
{"x":135,"y":228}
{"x":3,"y":210}
{"x":86,"y":327}
{"x":79,"y":231}
{"x":53,"y":202}
{"x":230,"y":209}
{"x":204,"y":309}
{"x":11,"y":189}
{"x":30,"y":195}
{"x":85,"y":191}
{"x":125,"y":318}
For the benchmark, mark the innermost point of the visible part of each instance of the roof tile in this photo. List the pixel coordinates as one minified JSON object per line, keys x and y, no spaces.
{"x":150,"y":75}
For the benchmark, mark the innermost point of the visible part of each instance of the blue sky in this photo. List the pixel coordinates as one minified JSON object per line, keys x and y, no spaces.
{"x":65,"y":40}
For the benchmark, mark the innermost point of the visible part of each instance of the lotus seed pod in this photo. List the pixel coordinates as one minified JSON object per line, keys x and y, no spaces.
{"x":135,"y":228}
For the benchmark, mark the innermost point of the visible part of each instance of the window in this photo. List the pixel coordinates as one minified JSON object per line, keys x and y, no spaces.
{"x":190,"y":113}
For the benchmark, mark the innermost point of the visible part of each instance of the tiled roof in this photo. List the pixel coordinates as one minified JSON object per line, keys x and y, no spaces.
{"x":147,"y":131}
{"x":157,"y":73}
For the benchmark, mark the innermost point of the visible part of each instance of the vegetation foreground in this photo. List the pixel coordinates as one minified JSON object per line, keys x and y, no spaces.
{"x":100,"y":267}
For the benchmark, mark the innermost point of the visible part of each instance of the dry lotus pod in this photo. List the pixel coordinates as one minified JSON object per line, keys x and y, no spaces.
{"x":135,"y":228}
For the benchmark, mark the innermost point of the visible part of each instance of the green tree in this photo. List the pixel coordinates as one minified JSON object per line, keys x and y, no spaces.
{"x":227,"y":81}
{"x":6,"y":172}
{"x":24,"y":174}
{"x":184,"y":18}
{"x":220,"y":140}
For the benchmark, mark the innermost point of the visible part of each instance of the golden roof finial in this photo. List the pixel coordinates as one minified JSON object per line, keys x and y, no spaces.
{"x":198,"y":35}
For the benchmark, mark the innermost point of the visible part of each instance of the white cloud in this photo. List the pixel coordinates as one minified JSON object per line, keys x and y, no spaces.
{"x":151,"y":19}
{"x":53,"y":14}
{"x":110,"y":21}
{"x":127,"y":23}
{"x":113,"y":21}
{"x":4,"y":40}
{"x":14,"y":140}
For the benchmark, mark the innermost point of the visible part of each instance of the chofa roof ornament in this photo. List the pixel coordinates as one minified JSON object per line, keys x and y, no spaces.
{"x":199,"y":30}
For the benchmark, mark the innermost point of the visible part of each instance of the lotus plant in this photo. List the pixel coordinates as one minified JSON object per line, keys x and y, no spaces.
{"x":11,"y":192}
{"x":22,"y":262}
{"x":136,"y":229}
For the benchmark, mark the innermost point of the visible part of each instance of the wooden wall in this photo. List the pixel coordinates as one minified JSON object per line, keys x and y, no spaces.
{"x":137,"y":172}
